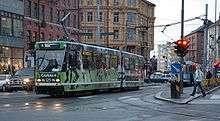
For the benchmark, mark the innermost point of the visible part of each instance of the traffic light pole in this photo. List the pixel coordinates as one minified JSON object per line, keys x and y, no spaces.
{"x":182,"y":36}
{"x":205,"y":40}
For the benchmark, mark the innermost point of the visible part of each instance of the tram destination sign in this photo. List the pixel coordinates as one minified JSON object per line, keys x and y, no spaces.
{"x":50,"y":46}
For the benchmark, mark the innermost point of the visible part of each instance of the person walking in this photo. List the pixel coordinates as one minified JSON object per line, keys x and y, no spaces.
{"x":209,"y":75}
{"x":198,"y":79}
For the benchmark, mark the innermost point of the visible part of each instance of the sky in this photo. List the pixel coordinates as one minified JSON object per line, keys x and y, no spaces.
{"x":169,"y":11}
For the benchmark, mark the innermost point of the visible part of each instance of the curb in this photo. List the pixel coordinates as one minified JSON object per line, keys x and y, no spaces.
{"x":184,"y":101}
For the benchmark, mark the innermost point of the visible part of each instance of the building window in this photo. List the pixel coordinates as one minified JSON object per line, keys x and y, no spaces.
{"x":42,"y":36}
{"x":29,"y":36}
{"x":131,"y":17}
{"x":35,"y":10}
{"x":81,"y":18}
{"x":28,"y":8}
{"x":89,"y":17}
{"x":74,"y":21}
{"x":131,"y":2}
{"x":51,"y":14}
{"x":58,"y":16}
{"x":91,"y":36}
{"x":50,"y":36}
{"x":68,"y":21}
{"x":116,"y":34}
{"x":116,"y":2}
{"x":100,"y":16}
{"x":42,"y":12}
{"x":130,"y":34}
{"x":35,"y":36}
{"x":116,"y":16}
{"x":102,"y":30}
{"x":6,"y":26}
{"x":89,"y":2}
{"x":18,"y":27}
{"x":81,"y":2}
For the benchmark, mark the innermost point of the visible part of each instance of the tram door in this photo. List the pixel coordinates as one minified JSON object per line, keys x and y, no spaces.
{"x":73,"y":65}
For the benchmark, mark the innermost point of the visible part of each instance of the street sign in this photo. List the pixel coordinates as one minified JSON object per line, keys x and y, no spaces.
{"x":176,"y":68}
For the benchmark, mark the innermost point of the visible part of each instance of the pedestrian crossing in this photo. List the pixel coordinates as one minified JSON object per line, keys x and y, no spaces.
{"x":209,"y":99}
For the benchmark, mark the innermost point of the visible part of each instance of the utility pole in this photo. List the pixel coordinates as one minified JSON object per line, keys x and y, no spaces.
{"x":98,"y":23}
{"x":38,"y":18}
{"x":126,"y":35}
{"x":78,"y":20}
{"x":215,"y":43}
{"x":182,"y":20}
{"x":205,"y":39}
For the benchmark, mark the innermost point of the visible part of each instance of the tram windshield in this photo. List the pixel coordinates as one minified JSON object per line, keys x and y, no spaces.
{"x":50,"y":60}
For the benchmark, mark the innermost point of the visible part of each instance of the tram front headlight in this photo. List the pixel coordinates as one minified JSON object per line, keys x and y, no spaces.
{"x":57,"y":80}
{"x":38,"y":80}
{"x":53,"y":80}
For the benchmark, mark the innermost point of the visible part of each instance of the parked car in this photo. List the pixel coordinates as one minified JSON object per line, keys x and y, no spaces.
{"x":23,"y":79}
{"x":188,"y":79}
{"x":4,"y":79}
{"x":157,"y":78}
{"x":169,"y":77}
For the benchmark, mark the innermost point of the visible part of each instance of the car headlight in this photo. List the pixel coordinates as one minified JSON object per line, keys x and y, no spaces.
{"x":26,"y":80}
{"x":57,"y":80}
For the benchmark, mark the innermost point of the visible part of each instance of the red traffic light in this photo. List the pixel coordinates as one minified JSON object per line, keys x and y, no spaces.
{"x":182,"y":43}
{"x":181,"y":47}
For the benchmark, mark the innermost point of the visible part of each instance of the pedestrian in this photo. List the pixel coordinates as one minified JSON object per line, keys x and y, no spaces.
{"x":209,"y":75}
{"x":198,"y":79}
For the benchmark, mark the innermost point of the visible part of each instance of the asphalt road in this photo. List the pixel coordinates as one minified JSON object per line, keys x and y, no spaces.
{"x":121,"y":106}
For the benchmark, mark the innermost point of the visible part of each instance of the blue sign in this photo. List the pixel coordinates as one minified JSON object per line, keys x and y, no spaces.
{"x":176,"y":68}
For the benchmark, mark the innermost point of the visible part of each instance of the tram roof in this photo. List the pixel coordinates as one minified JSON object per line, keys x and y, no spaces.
{"x":93,"y":46}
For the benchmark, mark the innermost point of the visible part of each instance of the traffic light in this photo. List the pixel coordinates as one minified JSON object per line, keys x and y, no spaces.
{"x":181,"y":47}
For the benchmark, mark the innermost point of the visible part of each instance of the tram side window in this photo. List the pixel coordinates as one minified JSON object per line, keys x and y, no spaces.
{"x":100,"y":61}
{"x":132,"y":64}
{"x":126,"y":63}
{"x":87,"y":60}
{"x":113,"y":61}
{"x":74,"y":60}
{"x":137,"y":64}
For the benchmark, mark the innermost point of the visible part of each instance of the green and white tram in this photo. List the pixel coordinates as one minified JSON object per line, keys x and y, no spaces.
{"x":64,"y":67}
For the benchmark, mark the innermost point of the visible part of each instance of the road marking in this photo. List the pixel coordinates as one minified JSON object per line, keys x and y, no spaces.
{"x":205,"y":102}
{"x":215,"y":97}
{"x":86,"y":97}
{"x":125,"y":97}
{"x":7,"y":105}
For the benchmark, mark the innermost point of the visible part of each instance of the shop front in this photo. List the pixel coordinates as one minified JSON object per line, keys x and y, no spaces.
{"x":11,"y":59}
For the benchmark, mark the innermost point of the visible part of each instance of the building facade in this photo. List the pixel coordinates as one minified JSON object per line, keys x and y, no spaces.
{"x":213,"y":46}
{"x":196,"y":48}
{"x":166,"y":56}
{"x":11,"y":35}
{"x":42,"y":21}
{"x":131,"y":21}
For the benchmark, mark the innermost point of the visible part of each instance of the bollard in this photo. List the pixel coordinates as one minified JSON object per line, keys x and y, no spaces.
{"x":174,"y":89}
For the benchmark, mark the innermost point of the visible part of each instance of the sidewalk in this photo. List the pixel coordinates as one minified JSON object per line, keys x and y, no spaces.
{"x":184,"y":98}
